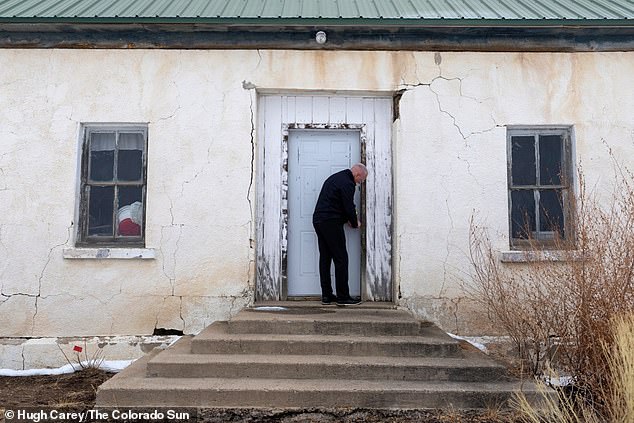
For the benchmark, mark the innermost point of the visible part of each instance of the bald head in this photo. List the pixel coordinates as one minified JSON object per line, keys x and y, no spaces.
{"x":359,"y":172}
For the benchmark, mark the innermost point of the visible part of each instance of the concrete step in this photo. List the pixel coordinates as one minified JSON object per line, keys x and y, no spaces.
{"x":323,"y":367}
{"x":328,"y":321}
{"x":431,"y":342}
{"x":179,"y":361}
{"x":314,"y":357}
{"x":132,"y":389}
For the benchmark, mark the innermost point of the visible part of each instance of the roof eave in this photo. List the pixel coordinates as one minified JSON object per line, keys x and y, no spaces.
{"x":330,"y":22}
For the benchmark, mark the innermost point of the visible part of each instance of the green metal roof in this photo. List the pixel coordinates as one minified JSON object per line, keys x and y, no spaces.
{"x":304,"y":11}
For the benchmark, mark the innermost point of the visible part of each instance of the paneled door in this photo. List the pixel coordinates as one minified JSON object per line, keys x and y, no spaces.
{"x":313,"y":155}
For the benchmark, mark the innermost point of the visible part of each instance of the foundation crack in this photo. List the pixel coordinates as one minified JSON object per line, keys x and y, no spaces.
{"x":180,"y":313}
{"x":158,"y":313}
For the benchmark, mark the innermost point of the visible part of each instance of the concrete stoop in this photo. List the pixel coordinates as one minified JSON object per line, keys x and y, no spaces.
{"x":315,"y":357}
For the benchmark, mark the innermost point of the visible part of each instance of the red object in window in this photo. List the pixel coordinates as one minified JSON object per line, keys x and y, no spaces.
{"x":77,"y":348}
{"x":128,"y":228}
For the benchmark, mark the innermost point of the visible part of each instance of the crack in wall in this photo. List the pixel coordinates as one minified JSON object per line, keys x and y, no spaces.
{"x":178,"y":94}
{"x":172,"y":278}
{"x":250,"y":189}
{"x":251,"y":176}
{"x":468,"y":163}
{"x":41,"y":277}
{"x":456,"y":304}
{"x":454,"y":120}
{"x":3,"y":186}
{"x":158,"y":313}
{"x":180,"y":313}
{"x":17,"y":150}
{"x":172,"y":115}
{"x":448,"y":237}
{"x":259,"y":60}
{"x":443,"y":109}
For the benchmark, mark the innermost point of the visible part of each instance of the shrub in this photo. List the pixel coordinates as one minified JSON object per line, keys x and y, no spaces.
{"x":558,"y":313}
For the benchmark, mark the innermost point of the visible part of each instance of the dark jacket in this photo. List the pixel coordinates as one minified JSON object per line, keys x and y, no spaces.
{"x":336,"y":199}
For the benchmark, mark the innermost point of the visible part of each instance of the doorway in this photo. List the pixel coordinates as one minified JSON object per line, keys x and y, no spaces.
{"x":369,"y":118}
{"x":313,"y":155}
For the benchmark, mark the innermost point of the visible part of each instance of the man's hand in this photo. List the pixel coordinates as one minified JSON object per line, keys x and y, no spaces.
{"x":358,"y":224}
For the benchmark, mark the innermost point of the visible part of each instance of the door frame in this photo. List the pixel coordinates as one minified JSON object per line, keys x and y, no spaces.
{"x":276,"y":115}
{"x":286,"y":128}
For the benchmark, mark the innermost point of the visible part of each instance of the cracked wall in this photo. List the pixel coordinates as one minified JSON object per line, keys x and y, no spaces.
{"x":199,"y":192}
{"x":450,"y":155}
{"x":449,"y":158}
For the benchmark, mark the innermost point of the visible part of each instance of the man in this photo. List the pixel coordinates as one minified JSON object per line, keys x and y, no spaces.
{"x":335,"y":207}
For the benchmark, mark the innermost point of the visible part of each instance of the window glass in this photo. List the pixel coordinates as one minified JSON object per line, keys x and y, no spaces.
{"x":550,"y":157}
{"x":113,"y":185}
{"x":130,"y":213}
{"x":551,"y":214}
{"x":102,"y":146}
{"x":100,"y":210}
{"x":539,"y":188}
{"x":130,"y":157}
{"x":522,"y":213}
{"x":523,"y":158}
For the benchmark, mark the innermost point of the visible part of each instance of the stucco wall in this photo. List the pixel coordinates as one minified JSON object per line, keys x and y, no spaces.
{"x":450,"y":160}
{"x":449,"y":147}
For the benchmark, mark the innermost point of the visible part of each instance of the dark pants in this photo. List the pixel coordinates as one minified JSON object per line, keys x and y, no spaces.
{"x":332,"y":247}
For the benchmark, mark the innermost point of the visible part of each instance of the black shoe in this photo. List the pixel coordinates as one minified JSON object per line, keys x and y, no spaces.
{"x":328,"y":299}
{"x":348,"y":301}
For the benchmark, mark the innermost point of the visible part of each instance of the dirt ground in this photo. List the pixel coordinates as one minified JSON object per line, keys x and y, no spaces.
{"x":76,"y":392}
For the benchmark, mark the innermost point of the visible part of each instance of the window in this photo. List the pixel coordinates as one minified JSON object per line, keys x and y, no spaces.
{"x":539,"y":179}
{"x":113,"y":182}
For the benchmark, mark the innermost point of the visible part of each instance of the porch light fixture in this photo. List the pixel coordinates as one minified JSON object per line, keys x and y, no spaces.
{"x":320,"y":37}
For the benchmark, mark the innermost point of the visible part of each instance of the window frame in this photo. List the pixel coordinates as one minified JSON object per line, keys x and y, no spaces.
{"x":83,"y":239}
{"x":544,"y":239}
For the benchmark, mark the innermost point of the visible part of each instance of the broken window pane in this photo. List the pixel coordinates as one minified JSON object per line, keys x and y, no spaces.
{"x":100,"y":210}
{"x":130,"y":213}
{"x":102,"y":156}
{"x":523,"y":160}
{"x":130,"y":158}
{"x":551,"y":215}
{"x":550,"y":157}
{"x":522,"y":213}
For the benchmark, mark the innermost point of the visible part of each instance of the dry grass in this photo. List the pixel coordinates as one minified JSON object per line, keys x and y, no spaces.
{"x":558,"y":314}
{"x":563,"y":409}
{"x":621,"y":362}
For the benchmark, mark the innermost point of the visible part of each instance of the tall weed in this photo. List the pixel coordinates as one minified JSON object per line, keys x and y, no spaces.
{"x":557,"y":306}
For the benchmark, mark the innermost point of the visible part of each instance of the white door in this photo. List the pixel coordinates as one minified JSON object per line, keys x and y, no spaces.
{"x":313,"y":155}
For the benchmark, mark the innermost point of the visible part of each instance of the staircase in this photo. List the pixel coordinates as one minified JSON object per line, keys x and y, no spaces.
{"x":303,"y":356}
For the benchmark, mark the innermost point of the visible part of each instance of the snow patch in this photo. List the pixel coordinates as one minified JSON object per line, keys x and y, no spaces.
{"x":559,"y":380}
{"x":473,"y":340}
{"x":111,"y":366}
{"x":270,"y":308}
